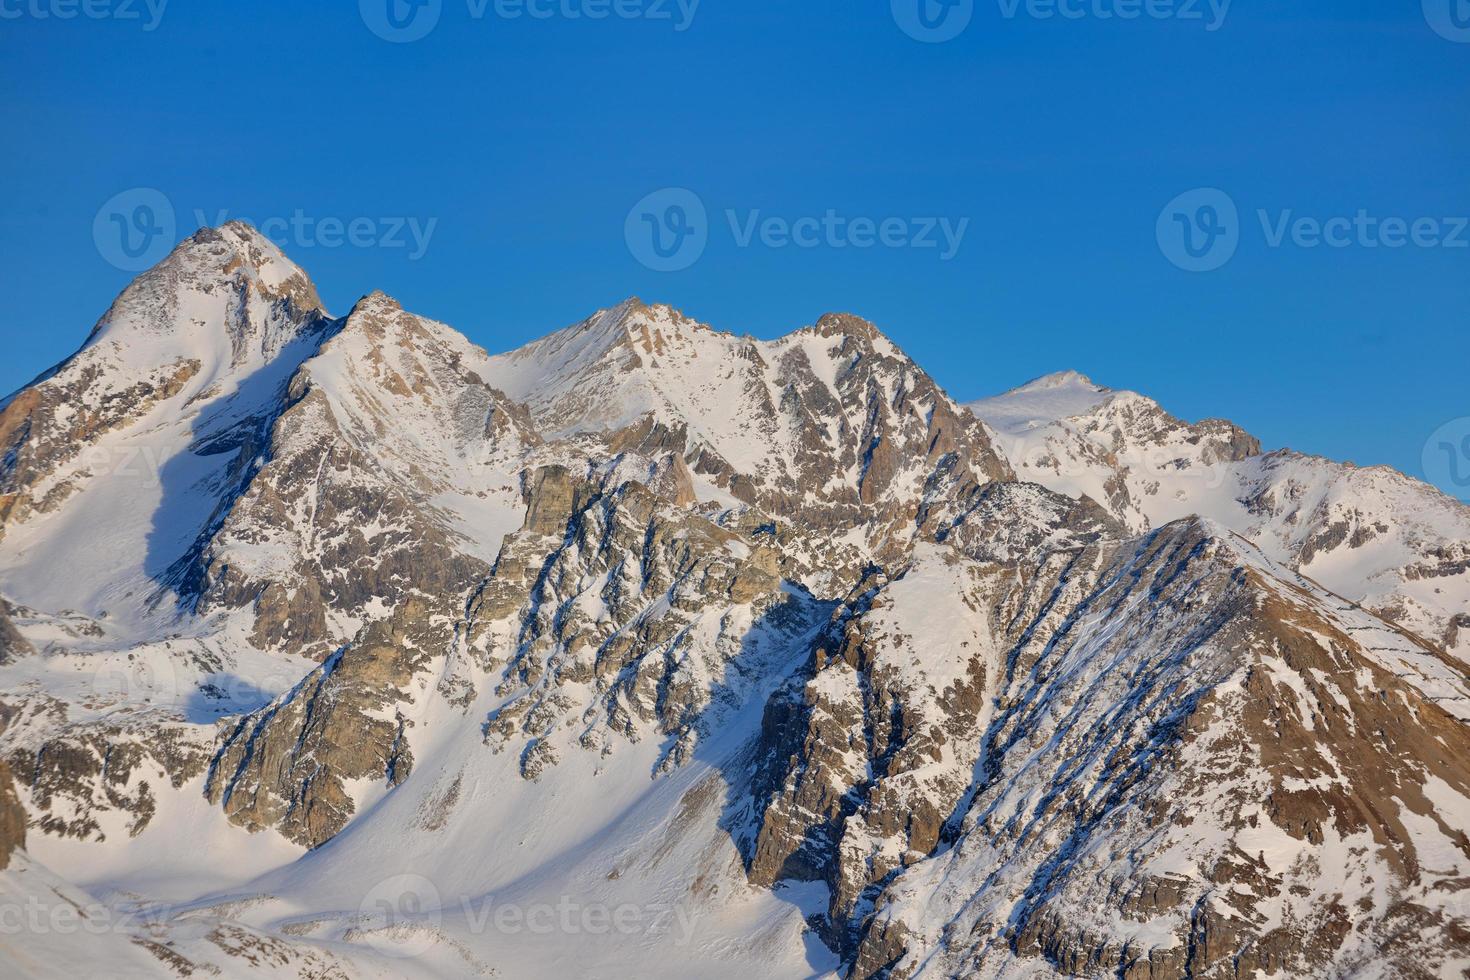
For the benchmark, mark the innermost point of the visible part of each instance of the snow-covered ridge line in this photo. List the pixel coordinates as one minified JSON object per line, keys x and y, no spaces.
{"x":1399,"y":546}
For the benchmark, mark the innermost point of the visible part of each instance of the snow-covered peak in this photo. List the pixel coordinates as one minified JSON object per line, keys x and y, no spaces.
{"x":262,"y":260}
{"x":1049,"y":398}
{"x":375,"y":301}
{"x":608,"y":341}
{"x":816,"y":423}
{"x":751,"y":402}
{"x":1372,"y":534}
{"x":613,"y":368}
{"x":636,"y":358}
{"x":226,"y":297}
{"x":1060,"y":379}
{"x":234,"y":254}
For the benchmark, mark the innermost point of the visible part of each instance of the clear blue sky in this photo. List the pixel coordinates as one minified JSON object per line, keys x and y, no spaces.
{"x":1061,"y":140}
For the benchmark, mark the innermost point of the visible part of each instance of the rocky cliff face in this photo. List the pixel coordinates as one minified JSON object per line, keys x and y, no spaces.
{"x":12,"y":811}
{"x":323,"y":636}
{"x":366,"y":483}
{"x":1167,"y":786}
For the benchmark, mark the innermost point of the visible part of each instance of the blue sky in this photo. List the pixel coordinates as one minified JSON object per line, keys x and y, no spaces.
{"x":1054,"y":143}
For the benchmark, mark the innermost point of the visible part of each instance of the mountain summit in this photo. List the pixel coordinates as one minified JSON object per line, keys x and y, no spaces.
{"x":341,"y":647}
{"x":1377,"y":536}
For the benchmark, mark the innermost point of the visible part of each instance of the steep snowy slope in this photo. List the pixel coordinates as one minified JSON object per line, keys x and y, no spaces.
{"x":114,"y":459}
{"x":1177,"y":779}
{"x":391,"y":468}
{"x":1371,"y":534}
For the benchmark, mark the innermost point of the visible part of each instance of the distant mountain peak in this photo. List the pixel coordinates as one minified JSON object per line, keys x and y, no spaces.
{"x":1061,"y":379}
{"x":1060,"y":395}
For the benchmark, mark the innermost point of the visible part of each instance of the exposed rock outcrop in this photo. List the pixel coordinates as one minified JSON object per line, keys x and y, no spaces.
{"x":12,"y":812}
{"x":289,"y":766}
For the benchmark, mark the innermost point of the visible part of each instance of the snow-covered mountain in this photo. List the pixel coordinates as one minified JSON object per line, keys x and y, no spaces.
{"x":1397,"y":546}
{"x":338,"y":647}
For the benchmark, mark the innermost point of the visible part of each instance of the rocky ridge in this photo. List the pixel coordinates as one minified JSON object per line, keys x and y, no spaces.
{"x":1368,"y":533}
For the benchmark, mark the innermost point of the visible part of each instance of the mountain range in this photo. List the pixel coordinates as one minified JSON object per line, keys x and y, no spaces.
{"x":339,"y":647}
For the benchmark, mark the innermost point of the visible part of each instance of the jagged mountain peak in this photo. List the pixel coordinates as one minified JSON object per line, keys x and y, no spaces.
{"x":814,"y":425}
{"x":612,"y":368}
{"x":375,"y":301}
{"x":233,"y":255}
{"x":635,"y":338}
{"x":634,"y":334}
{"x":378,"y":321}
{"x":845,"y":324}
{"x":227,"y":298}
{"x":606,"y":340}
{"x":383,"y":351}
{"x":630,"y":325}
